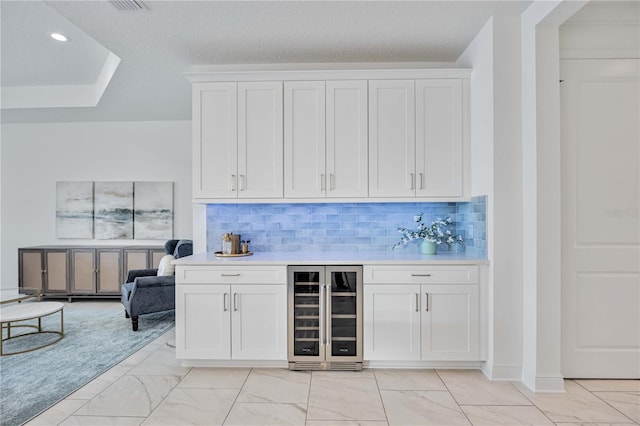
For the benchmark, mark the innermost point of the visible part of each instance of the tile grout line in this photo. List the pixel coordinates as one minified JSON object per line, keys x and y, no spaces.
{"x":384,"y":408}
{"x":306,"y":412}
{"x":235,"y":400}
{"x":605,"y":401}
{"x":452,"y":396}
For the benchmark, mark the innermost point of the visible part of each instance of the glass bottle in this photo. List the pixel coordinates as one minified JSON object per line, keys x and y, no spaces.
{"x":226,"y":244}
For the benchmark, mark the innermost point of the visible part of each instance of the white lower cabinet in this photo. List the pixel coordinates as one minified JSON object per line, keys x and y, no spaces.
{"x":421,"y":322}
{"x":231,"y":322}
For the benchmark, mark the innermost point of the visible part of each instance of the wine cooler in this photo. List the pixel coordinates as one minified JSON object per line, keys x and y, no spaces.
{"x":325,"y":317}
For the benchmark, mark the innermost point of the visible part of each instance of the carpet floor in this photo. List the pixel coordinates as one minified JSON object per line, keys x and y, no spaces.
{"x":97,"y":336}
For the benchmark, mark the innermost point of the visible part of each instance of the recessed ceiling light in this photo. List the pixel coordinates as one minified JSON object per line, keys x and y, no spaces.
{"x":59,"y":37}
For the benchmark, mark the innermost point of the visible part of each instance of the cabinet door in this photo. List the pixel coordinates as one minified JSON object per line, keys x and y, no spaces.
{"x":259,"y":322}
{"x":56,"y":271}
{"x":346,"y":139}
{"x":155,"y":256}
{"x":83,"y":271}
{"x":31,"y":268}
{"x":215,"y":140}
{"x":304,"y":139}
{"x":109,"y":271}
{"x":135,"y":258}
{"x":203,"y":327}
{"x":260,"y":142}
{"x":450,"y":322}
{"x":439,"y":138}
{"x":391,"y":138}
{"x":391,"y":322}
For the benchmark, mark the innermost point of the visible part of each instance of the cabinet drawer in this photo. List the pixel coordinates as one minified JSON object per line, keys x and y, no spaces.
{"x":454,"y":274}
{"x":231,"y":274}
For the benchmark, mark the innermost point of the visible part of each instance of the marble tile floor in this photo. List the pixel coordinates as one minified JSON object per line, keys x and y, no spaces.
{"x":152,"y":388}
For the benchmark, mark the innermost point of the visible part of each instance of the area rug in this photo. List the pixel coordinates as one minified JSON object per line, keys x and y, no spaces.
{"x":96,"y":338}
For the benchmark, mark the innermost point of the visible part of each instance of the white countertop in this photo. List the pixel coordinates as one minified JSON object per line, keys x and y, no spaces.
{"x":331,"y":258}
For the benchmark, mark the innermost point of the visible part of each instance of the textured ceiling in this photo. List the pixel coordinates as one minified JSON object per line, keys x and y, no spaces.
{"x":158,"y":45}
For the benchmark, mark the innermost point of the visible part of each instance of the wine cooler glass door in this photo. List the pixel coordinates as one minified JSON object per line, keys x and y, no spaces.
{"x":344,"y":313}
{"x":308,"y":314}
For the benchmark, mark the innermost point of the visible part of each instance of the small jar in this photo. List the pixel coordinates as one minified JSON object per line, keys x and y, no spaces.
{"x":226,"y":244}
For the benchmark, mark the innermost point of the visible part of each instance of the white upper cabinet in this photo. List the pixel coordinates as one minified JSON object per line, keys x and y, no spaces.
{"x":357,"y":134}
{"x":304,"y":133}
{"x":260,"y":139}
{"x":346,"y":139}
{"x":416,"y":138}
{"x":325,"y":139}
{"x":439,"y":147}
{"x":215,"y":140}
{"x":237,"y":149}
{"x":391,"y":138}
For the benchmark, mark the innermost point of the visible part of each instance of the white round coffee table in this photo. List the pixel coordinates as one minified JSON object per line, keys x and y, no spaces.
{"x":14,"y":313}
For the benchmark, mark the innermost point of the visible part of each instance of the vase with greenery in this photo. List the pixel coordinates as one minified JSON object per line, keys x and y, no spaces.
{"x":431,"y":235}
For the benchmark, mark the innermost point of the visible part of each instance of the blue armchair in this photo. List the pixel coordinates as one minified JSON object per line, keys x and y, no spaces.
{"x":145,"y":292}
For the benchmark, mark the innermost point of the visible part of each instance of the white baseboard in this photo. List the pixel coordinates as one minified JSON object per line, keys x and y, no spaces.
{"x":234,"y":363}
{"x":502,"y":373}
{"x":475,"y":365}
{"x":549,"y":384}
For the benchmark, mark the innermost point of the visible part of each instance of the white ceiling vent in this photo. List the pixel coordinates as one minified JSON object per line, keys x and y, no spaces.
{"x":130,"y":5}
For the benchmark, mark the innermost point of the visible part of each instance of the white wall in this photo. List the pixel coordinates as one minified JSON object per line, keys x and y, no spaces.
{"x":496,"y":142}
{"x":541,"y":183}
{"x":36,"y":156}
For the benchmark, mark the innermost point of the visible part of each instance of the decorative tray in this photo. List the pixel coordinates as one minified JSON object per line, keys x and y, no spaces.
{"x":219,"y":254}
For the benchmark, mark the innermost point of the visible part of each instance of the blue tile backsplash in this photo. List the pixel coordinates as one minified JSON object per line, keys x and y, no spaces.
{"x":356,"y":227}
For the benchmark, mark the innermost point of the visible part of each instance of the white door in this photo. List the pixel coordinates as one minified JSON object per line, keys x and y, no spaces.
{"x":203,"y":328}
{"x":601,"y":220}
{"x":260,"y":139}
{"x":450,"y":322}
{"x":259,"y":321}
{"x":392,"y":156}
{"x":346,"y":139}
{"x":215,"y":140}
{"x":439,"y":147}
{"x":391,"y":322}
{"x":304,"y":139}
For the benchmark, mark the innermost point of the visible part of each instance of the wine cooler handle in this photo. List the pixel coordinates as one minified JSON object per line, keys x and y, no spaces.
{"x":327,"y":316}
{"x":225,"y":302}
{"x":322,"y":313}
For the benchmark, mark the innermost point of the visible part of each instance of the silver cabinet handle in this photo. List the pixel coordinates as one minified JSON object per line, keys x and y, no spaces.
{"x":235,"y":301}
{"x":225,"y":302}
{"x":322,"y":185}
{"x":427,"y":304}
{"x":230,"y":275}
{"x":241,"y":182}
{"x":332,"y":181}
{"x":233,"y":182}
{"x":421,"y":183}
{"x":412,"y":180}
{"x":420,"y":275}
{"x":417,"y":302}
